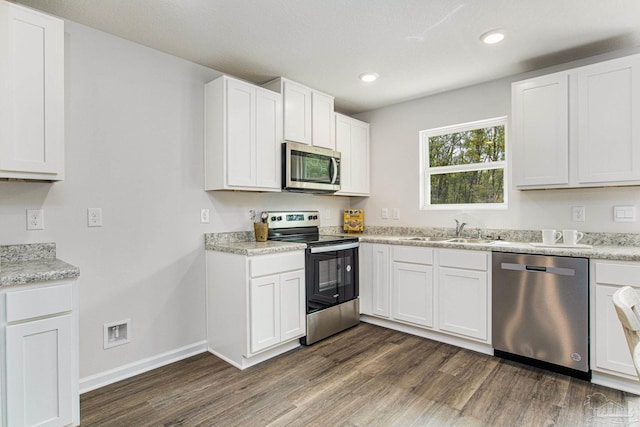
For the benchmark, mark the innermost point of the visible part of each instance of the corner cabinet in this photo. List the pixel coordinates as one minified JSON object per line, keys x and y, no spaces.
{"x":255,"y":305}
{"x":577,"y":128}
{"x":308,"y":113}
{"x":352,"y":141}
{"x":243,"y":136}
{"x":40,"y":355}
{"x":31,"y":94}
{"x":441,"y":294}
{"x":610,"y":357}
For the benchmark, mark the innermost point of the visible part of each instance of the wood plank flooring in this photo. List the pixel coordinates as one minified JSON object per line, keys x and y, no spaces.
{"x":366,"y":376}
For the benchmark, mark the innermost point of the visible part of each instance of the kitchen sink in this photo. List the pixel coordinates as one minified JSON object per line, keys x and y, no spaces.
{"x":426,"y":239}
{"x":464,"y":240}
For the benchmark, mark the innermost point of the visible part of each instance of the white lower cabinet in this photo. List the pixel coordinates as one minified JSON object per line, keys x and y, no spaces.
{"x":441,"y":294}
{"x":463,"y":299}
{"x":255,"y":305}
{"x":610,"y":357}
{"x":412,"y":283}
{"x":40,"y":356}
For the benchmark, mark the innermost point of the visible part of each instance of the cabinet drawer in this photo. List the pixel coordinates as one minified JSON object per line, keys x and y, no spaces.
{"x":617,"y":274}
{"x":276,"y":263}
{"x":22,"y":305}
{"x":413,"y":254}
{"x":469,"y":260}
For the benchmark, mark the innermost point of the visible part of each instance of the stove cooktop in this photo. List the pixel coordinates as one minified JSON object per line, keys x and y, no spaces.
{"x":314,"y":240}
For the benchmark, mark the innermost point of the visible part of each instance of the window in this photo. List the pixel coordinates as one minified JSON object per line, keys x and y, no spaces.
{"x":463,"y":166}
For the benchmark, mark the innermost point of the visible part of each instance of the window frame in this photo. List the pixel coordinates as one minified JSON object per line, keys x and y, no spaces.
{"x":426,"y":170}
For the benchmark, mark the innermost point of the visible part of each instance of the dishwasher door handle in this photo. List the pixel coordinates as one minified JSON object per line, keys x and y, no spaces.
{"x":538,"y":269}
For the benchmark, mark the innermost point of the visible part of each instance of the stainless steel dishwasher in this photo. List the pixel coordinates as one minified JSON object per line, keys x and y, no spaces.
{"x":541,"y":311}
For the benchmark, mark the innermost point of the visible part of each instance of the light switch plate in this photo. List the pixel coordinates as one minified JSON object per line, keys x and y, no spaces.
{"x":624,"y":213}
{"x":385,"y":213}
{"x":396,"y":213}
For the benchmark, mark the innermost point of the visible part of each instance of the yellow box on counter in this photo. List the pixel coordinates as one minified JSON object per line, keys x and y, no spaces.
{"x":353,"y":220}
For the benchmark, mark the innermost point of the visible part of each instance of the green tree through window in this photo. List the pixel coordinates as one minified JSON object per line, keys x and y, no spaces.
{"x":464,"y":164}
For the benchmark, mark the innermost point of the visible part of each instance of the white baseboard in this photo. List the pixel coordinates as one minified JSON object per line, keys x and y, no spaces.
{"x":436,"y":336}
{"x":111,"y":376}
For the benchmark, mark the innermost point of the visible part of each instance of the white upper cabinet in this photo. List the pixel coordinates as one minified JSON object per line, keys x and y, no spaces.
{"x":608,"y":126}
{"x":31,"y":94}
{"x":352,"y":141}
{"x":541,"y":130}
{"x":322,"y":121}
{"x":308,"y":114}
{"x":243,"y":136}
{"x":578,"y":128}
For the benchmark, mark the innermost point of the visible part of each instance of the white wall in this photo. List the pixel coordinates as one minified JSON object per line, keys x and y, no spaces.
{"x":134,"y":132}
{"x":395,"y":150}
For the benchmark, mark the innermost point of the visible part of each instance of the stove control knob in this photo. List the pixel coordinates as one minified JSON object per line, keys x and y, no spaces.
{"x":279,"y":218}
{"x":273,"y":218}
{"x":315,"y":217}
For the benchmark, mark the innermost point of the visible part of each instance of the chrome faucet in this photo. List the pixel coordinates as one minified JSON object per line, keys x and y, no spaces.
{"x":459,"y":227}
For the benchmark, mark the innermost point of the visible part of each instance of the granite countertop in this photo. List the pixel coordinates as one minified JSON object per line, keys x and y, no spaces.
{"x":23,"y":264}
{"x":243,"y":243}
{"x":608,"y":252}
{"x":608,"y":246}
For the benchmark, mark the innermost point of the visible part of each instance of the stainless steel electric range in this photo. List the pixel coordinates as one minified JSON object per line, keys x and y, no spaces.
{"x":331,"y":272}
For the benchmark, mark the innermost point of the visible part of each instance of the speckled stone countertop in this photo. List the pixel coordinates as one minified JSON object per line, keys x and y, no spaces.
{"x":23,"y":264}
{"x":243,"y":243}
{"x":609,"y":246}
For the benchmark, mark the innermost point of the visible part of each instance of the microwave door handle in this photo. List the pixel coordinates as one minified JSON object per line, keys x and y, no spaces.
{"x":334,"y":164}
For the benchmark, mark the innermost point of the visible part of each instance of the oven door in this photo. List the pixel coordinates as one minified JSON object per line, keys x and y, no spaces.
{"x":332,"y":275}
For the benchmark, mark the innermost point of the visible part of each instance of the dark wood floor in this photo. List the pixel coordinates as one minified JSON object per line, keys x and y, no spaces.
{"x":366,"y":376}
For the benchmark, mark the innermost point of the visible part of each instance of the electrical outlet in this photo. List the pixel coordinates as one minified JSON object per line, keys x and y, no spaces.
{"x":204,"y":216}
{"x":116,"y":333}
{"x":577,"y":214}
{"x":35,"y":219}
{"x":94,"y":217}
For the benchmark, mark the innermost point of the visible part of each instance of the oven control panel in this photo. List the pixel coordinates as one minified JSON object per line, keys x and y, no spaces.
{"x":282,"y":219}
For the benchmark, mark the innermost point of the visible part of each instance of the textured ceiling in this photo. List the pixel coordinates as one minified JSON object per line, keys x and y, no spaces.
{"x":418,"y":47}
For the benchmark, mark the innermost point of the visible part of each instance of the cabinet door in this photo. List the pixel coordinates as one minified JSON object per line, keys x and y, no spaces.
{"x":240,"y":144}
{"x":264,"y":312}
{"x":352,"y":141}
{"x":297,"y":112}
{"x":611,"y":350}
{"x":413,"y":293}
{"x":540,"y":120}
{"x":462,"y":302}
{"x":268,"y":139}
{"x":322,"y":121}
{"x":608,"y":125}
{"x":39,"y":372}
{"x":292,"y":305}
{"x":31,"y":94}
{"x":380,"y":281}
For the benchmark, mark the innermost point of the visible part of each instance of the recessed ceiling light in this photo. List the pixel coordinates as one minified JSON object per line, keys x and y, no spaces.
{"x":492,"y":37}
{"x":368,"y":77}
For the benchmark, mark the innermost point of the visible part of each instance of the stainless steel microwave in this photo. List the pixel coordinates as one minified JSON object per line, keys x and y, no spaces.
{"x":310,"y":169}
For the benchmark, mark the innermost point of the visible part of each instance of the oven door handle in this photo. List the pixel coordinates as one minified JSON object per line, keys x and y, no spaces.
{"x":331,"y":248}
